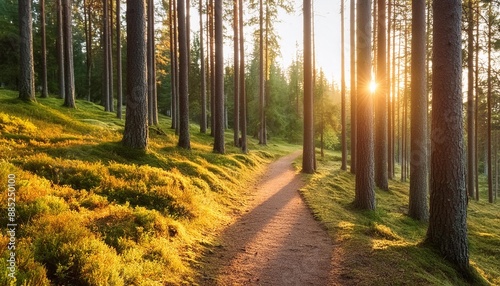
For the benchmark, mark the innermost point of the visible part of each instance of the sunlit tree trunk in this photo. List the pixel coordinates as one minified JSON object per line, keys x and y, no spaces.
{"x":203,"y":121}
{"x":418,"y":208}
{"x":342,"y":90}
{"x":447,"y":230}
{"x":236,"y":75}
{"x":308,"y":156}
{"x":212,"y":68}
{"x":390,"y":141}
{"x":365,"y":177}
{"x":60,"y":50}
{"x":152,"y":95}
{"x":381,"y":172}
{"x":352,"y":28}
{"x":136,"y":119}
{"x":262,"y":100}
{"x":242,"y":89}
{"x":27,"y":74}
{"x":173,"y":63}
{"x":184,"y":141}
{"x":219,"y":146}
{"x":476,"y":107}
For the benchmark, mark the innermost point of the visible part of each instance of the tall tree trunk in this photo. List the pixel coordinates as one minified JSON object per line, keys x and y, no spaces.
{"x":45,"y":88}
{"x":212,"y":69}
{"x":88,"y":46}
{"x":418,"y":208}
{"x":365,"y":181}
{"x":243,"y":99}
{"x":471,"y":160}
{"x":308,"y":157}
{"x":203,"y":119}
{"x":119,"y":83}
{"x":27,"y":74}
{"x":476,"y":82}
{"x":262,"y":102}
{"x":381,"y":172}
{"x":173,"y":63}
{"x":106,"y":80}
{"x":404,"y":131}
{"x":69,"y":71}
{"x":236,"y":75}
{"x":342,"y":90}
{"x":489,"y":99}
{"x":219,"y":145}
{"x":60,"y":50}
{"x":136,"y":119}
{"x":184,"y":141}
{"x":447,"y":229}
{"x":152,"y":94}
{"x":110,"y":57}
{"x":390,"y":94}
{"x":352,"y":28}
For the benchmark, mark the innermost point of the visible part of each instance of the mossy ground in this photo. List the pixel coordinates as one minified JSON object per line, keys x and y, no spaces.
{"x":92,"y":212}
{"x":383,"y":247}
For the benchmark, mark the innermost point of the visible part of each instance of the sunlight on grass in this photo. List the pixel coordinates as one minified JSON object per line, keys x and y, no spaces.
{"x":92,"y":211}
{"x":372,"y":242}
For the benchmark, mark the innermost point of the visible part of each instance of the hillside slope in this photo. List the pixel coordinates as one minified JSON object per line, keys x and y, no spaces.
{"x":91,"y":212}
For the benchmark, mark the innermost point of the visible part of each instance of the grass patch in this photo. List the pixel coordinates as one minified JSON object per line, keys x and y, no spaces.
{"x":92,"y":212}
{"x":383,"y":247}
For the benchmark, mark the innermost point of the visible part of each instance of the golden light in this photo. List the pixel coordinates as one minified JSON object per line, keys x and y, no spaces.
{"x":373,"y":86}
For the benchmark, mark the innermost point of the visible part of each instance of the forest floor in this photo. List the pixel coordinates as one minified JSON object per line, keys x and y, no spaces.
{"x":276,"y":241}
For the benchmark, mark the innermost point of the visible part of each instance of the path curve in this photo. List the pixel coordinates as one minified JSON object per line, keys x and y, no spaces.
{"x":276,"y":241}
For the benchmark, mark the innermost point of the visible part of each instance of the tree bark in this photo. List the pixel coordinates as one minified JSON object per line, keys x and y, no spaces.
{"x":69,"y":71}
{"x":119,"y":84}
{"x":489,"y":101}
{"x":471,"y":160}
{"x":236,"y":75}
{"x":381,"y":172}
{"x":262,"y":99}
{"x":106,"y":77}
{"x":219,"y":145}
{"x":308,"y":156}
{"x":184,"y":141}
{"x":243,"y":99}
{"x":203,"y":119}
{"x":60,"y":49}
{"x":342,"y":91}
{"x":447,"y":229}
{"x":418,"y":208}
{"x":45,"y":88}
{"x":136,"y":120}
{"x":365,"y":181}
{"x":27,"y":74}
{"x":354,"y":140}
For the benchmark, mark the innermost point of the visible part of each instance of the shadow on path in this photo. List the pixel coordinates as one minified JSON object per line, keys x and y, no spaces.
{"x":277,"y":242}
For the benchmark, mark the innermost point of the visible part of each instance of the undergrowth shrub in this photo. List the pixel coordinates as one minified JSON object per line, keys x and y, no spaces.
{"x":78,"y":174}
{"x":15,"y":125}
{"x":71,"y":253}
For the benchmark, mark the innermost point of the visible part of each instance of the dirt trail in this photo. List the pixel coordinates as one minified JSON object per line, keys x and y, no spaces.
{"x":277,"y":241}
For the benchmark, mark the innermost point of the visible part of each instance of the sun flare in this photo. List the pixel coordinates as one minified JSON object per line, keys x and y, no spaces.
{"x":373,"y":86}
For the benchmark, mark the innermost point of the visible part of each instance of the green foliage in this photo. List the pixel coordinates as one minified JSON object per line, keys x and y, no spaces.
{"x":91,"y":212}
{"x":371,"y":242}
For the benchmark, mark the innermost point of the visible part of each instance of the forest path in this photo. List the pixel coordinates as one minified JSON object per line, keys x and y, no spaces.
{"x":276,"y":241}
